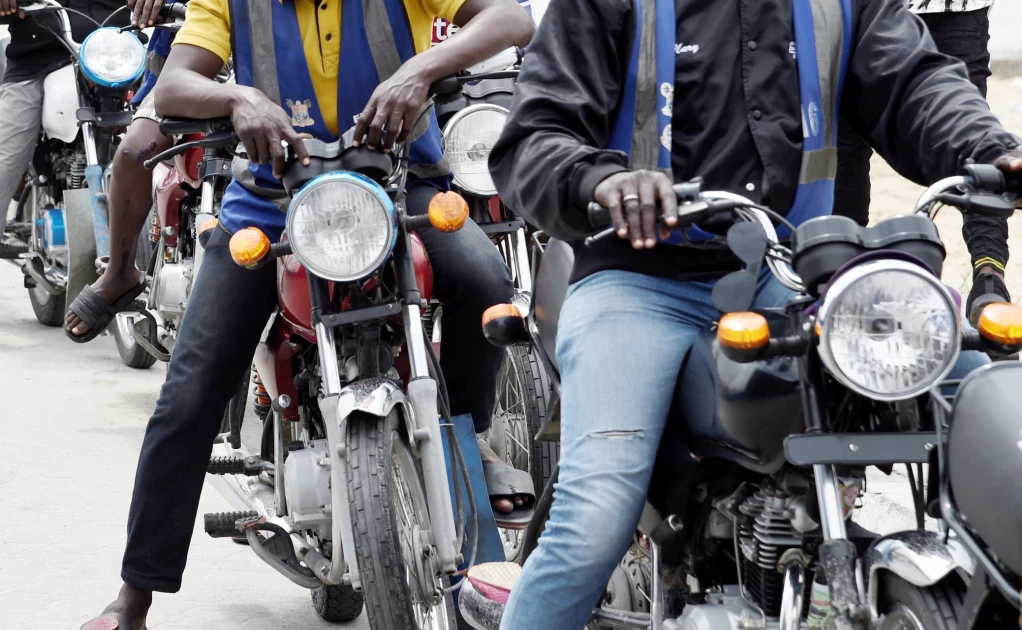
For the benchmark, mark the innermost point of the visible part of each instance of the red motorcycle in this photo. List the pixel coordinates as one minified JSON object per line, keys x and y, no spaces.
{"x":350,"y":495}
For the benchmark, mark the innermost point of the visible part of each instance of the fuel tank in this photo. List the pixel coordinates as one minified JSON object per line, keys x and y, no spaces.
{"x":739,"y":411}
{"x":293,"y":288}
{"x":985,"y":457}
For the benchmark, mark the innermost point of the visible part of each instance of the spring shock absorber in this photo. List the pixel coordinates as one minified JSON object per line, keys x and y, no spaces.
{"x":261,"y":404}
{"x":154,"y":232}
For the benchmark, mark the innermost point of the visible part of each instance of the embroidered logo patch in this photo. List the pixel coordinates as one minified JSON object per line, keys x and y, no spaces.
{"x":667,"y":90}
{"x":665,"y":137}
{"x":300,"y":113}
{"x":814,"y":118}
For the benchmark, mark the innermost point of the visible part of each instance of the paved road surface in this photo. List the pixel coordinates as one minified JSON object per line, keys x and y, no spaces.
{"x":72,"y":419}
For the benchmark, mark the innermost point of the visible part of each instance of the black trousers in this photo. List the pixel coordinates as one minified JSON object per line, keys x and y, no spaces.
{"x":963,"y":36}
{"x":227,"y":311}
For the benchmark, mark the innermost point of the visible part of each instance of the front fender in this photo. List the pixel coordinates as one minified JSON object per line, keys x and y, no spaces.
{"x":920,"y":558}
{"x":377,"y":397}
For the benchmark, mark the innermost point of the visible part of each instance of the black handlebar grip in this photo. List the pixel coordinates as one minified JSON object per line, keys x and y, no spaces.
{"x":599,"y":216}
{"x":180,"y":126}
{"x":446,"y":86}
{"x":174,"y":11}
{"x":989,"y":178}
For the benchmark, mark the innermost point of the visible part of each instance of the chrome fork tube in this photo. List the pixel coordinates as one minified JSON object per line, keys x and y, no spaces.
{"x":417,"y":357}
{"x":328,"y":359}
{"x":205,"y":214}
{"x":89,"y":142}
{"x":656,"y":600}
{"x":522,"y":272}
{"x":832,"y":518}
{"x":422,"y":392}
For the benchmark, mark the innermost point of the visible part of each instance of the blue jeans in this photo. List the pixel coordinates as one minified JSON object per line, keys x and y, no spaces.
{"x":621,"y":342}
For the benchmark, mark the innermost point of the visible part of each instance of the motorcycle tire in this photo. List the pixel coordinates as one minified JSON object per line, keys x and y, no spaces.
{"x":337,"y":603}
{"x":909,"y":607}
{"x":379,"y":463}
{"x":132,"y":354}
{"x":48,"y":309}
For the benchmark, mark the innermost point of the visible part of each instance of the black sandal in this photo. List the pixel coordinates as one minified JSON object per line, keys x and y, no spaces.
{"x":96,"y":313}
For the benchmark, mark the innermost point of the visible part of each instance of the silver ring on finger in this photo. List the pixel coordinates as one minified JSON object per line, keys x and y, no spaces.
{"x":628,"y":198}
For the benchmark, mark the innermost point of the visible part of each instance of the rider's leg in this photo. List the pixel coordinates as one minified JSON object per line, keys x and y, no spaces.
{"x":621,"y":340}
{"x":129,"y":201}
{"x":469,"y":277}
{"x":22,"y":105}
{"x":227,"y":312}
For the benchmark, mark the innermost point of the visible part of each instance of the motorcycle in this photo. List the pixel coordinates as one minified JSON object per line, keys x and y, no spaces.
{"x":760,"y":468}
{"x":471,"y":124}
{"x":61,"y":214}
{"x":187,"y":190}
{"x":349,"y":495}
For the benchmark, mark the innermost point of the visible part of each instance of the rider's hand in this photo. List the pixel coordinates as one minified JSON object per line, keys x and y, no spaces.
{"x":632,"y":198}
{"x":264,"y":128}
{"x":8,"y":7}
{"x":1011,"y":164}
{"x":395,"y":104}
{"x":144,"y":12}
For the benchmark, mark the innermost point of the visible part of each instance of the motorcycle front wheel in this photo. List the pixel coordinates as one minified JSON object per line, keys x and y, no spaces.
{"x":518,"y":415}
{"x":909,"y":607}
{"x":132,"y":354}
{"x":390,"y":519}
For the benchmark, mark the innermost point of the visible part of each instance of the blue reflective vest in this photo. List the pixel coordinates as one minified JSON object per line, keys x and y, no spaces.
{"x":823,"y":37}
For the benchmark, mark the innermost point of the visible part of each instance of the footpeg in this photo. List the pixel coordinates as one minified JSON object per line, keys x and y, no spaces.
{"x":232,"y":465}
{"x":229,"y":524}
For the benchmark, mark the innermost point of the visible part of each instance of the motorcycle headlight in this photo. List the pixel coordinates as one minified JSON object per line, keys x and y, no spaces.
{"x":468,"y":138}
{"x":889,"y":330}
{"x":111,"y":58}
{"x":342,"y":226}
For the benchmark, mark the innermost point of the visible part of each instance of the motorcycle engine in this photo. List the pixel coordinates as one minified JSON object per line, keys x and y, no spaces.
{"x":172,"y":287}
{"x":765,"y":531}
{"x":307,"y":487}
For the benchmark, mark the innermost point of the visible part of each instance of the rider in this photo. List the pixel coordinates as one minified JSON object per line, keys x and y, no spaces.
{"x":962,"y":30}
{"x":130,"y":190}
{"x":326,"y":82}
{"x":593,"y":109}
{"x":34,"y":52}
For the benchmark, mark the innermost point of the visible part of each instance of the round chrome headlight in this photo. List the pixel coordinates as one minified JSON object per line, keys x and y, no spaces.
{"x":889,"y":330}
{"x":342,"y":226}
{"x":468,"y":138}
{"x":111,"y":58}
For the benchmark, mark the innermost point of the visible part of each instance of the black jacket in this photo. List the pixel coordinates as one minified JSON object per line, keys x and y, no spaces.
{"x":35,"y":52}
{"x":736,"y":113}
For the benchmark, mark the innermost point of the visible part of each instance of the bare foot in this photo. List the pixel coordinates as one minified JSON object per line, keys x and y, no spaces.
{"x":132,"y":604}
{"x":109,"y":286}
{"x":504,"y":505}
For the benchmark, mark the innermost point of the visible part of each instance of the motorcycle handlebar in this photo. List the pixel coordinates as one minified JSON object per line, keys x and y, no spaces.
{"x":213,"y":140}
{"x":171,"y":126}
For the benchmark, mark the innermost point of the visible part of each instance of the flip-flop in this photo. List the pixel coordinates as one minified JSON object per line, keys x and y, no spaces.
{"x":109,"y":621}
{"x":506,"y":481}
{"x":485,"y":591}
{"x":96,"y":313}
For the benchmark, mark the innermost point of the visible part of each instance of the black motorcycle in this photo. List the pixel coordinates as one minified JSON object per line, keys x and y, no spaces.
{"x":760,"y":467}
{"x":471,"y":121}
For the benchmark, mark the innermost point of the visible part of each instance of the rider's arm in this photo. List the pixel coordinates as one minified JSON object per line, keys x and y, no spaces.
{"x":187,"y":85}
{"x":546,"y":164}
{"x":916,"y":105}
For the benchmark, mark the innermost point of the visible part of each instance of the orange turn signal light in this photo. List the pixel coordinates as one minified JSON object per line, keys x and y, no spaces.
{"x":498,"y":311}
{"x":249,"y":246}
{"x":448,"y":211}
{"x":208,"y":225}
{"x":1001,"y":322}
{"x":743,"y":331}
